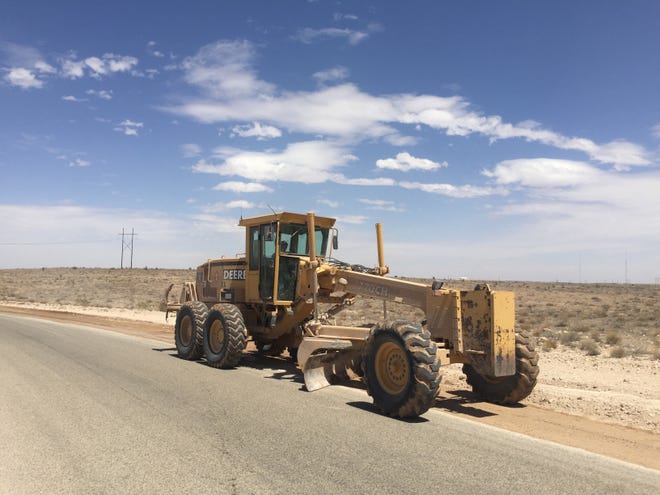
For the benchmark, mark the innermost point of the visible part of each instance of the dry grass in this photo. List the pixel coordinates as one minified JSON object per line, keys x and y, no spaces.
{"x":606,"y":316}
{"x":104,"y":288}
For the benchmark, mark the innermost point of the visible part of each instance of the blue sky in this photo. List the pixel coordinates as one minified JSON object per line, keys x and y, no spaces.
{"x":494,"y":140}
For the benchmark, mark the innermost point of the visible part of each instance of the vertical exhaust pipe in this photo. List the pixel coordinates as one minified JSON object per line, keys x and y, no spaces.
{"x":311,"y":236}
{"x":382,"y":269}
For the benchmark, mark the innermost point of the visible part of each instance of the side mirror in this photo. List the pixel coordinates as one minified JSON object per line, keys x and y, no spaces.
{"x":335,"y":239}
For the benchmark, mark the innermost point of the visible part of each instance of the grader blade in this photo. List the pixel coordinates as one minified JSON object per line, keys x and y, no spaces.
{"x":318,"y":372}
{"x":325,"y":361}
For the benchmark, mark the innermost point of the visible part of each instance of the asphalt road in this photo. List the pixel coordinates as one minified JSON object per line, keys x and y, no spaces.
{"x":90,"y":411}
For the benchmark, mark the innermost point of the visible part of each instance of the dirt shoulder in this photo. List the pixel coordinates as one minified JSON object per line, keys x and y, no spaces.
{"x":606,"y":407}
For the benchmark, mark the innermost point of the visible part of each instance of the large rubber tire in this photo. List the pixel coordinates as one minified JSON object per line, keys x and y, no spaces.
{"x":224,"y":336}
{"x":189,"y":330}
{"x":401,"y":369}
{"x":509,"y":389}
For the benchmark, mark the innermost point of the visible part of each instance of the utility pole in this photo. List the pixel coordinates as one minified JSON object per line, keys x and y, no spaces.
{"x":127,"y":245}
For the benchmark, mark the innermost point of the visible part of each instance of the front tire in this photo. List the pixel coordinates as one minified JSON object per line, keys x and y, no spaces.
{"x":401,"y":369}
{"x":512,"y":389}
{"x":189,"y":330}
{"x":224,"y":336}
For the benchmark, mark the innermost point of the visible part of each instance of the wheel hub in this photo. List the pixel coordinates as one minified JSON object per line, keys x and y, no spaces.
{"x":392,"y":368}
{"x":216,"y":336}
{"x":185,"y":333}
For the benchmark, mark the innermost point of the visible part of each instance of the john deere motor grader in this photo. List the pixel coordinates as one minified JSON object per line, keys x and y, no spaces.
{"x":274,"y":295}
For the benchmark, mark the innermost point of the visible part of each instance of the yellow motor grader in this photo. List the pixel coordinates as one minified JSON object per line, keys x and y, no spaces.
{"x":287,"y":288}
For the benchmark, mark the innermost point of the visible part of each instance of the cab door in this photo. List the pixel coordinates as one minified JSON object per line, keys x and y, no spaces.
{"x":267,"y":260}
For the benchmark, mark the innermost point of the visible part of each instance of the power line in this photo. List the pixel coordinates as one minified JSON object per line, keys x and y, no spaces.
{"x":52,"y":243}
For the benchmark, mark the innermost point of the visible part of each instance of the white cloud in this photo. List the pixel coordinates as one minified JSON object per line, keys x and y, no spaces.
{"x":309,"y":35}
{"x":128,"y":127}
{"x":236,"y":94}
{"x":104,"y":94}
{"x":231,"y":205}
{"x":151,"y":50}
{"x":328,"y":202}
{"x":119,"y":63}
{"x":351,"y":219}
{"x":260,"y":131}
{"x":655,"y":131}
{"x":405,"y":162}
{"x":341,"y":111}
{"x":380,"y":204}
{"x":242,"y":187}
{"x":86,"y":236}
{"x":338,"y":73}
{"x":96,"y":67}
{"x":73,"y":69}
{"x":73,"y":99}
{"x":24,"y":66}
{"x":362,"y":181}
{"x":44,"y":67}
{"x":96,"y":64}
{"x":79,"y":162}
{"x":307,"y":162}
{"x":224,"y":70}
{"x":241,"y":203}
{"x":466,"y":191}
{"x":543,"y":172}
{"x":190,"y":150}
{"x":23,"y":78}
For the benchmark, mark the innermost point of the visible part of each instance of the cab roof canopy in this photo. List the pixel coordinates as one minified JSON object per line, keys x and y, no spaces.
{"x":287,"y":217}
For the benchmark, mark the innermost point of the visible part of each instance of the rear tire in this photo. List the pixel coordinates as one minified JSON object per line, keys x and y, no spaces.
{"x":508,"y":390}
{"x":224,"y":336}
{"x":189,"y":330}
{"x":401,"y":369}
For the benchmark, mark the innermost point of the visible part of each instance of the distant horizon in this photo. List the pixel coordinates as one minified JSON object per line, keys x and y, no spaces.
{"x":412,"y":277}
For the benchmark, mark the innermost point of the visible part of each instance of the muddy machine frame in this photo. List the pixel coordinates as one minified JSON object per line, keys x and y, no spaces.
{"x":286,"y":291}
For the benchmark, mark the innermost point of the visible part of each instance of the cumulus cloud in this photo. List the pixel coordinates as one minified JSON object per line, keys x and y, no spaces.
{"x":543,"y":172}
{"x":79,"y":162}
{"x":231,"y":205}
{"x":351,"y":219}
{"x":104,"y":94}
{"x":153,"y":51}
{"x":328,"y":202}
{"x":224,"y":70}
{"x":96,"y":67}
{"x":655,"y":131}
{"x":74,"y":99}
{"x":234,"y":93}
{"x":338,"y":73}
{"x":405,"y":162}
{"x":307,"y":162}
{"x":241,"y":187}
{"x":24,"y":65}
{"x":309,"y":35}
{"x":465,"y":191}
{"x":190,"y":150}
{"x":128,"y":127}
{"x":255,"y":129}
{"x":380,"y":204}
{"x":23,"y":78}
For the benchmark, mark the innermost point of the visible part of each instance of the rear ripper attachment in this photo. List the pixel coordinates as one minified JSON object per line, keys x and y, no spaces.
{"x":274,"y":293}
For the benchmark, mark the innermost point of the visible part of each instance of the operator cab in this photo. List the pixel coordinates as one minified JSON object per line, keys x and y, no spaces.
{"x":277,"y":245}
